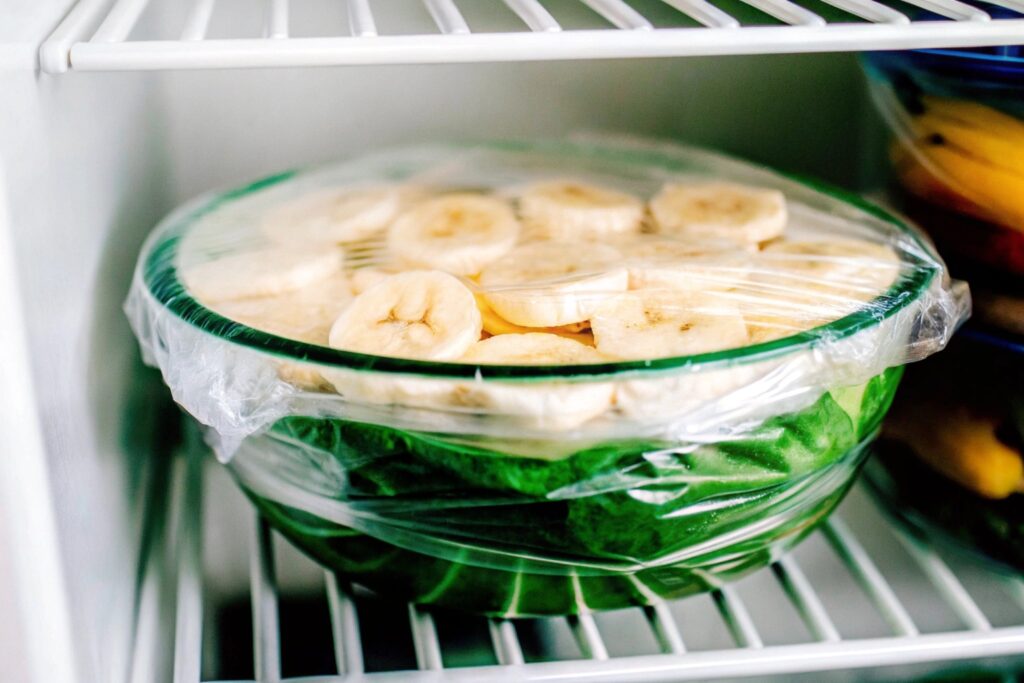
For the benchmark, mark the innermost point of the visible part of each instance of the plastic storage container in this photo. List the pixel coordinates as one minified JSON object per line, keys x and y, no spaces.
{"x":957,"y":118}
{"x":505,"y":489}
{"x":952,"y":467}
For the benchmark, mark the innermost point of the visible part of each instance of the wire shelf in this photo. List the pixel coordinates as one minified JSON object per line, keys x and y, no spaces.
{"x":103,"y":35}
{"x":601,"y":646}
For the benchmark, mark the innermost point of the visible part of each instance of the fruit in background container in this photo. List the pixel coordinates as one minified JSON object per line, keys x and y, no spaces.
{"x":957,"y":119}
{"x":983,"y":250}
{"x":952,"y":463}
{"x":974,"y":168}
{"x":973,"y":164}
{"x":964,"y":444}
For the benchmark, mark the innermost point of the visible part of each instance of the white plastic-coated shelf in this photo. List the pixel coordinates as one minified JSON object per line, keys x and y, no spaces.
{"x":903,"y":636}
{"x":100,"y":35}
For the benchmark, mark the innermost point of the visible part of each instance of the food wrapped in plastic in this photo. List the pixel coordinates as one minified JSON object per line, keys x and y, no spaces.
{"x":539,"y":378}
{"x":952,"y":463}
{"x":957,"y":118}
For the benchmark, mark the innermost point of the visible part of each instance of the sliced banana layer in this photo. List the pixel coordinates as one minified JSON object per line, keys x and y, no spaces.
{"x":695,"y":399}
{"x":364,"y":278}
{"x":798,"y":286}
{"x":333,"y":216}
{"x":536,"y":348}
{"x":547,"y":284}
{"x":427,"y":315}
{"x":743,"y":215}
{"x":494,"y":324}
{"x":662,"y":324}
{"x":456,"y":233}
{"x":263,"y":272}
{"x":541,"y":405}
{"x":568,"y":210}
{"x":303,"y":314}
{"x":687,"y":265}
{"x":372,"y":388}
{"x":862,"y":269}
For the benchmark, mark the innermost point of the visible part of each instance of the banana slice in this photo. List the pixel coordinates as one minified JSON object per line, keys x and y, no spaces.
{"x":801,"y":285}
{"x":304,"y":376}
{"x":332,"y":216}
{"x":364,"y":278}
{"x":535,"y":348}
{"x":547,"y":406}
{"x":568,"y":210}
{"x":427,"y":315}
{"x":260,"y":273}
{"x":699,"y":402}
{"x":744,"y":215}
{"x":865,"y":267}
{"x":548,"y":284}
{"x":304,"y":314}
{"x":661,"y":323}
{"x":370,"y":388}
{"x":494,"y":324}
{"x":661,"y":263}
{"x":456,"y":233}
{"x":553,"y":405}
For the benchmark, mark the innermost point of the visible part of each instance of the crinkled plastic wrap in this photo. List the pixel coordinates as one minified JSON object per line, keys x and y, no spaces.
{"x":957,"y":119}
{"x":632,"y":402}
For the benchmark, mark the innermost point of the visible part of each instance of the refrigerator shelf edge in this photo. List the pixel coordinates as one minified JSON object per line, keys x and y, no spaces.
{"x":98,"y":36}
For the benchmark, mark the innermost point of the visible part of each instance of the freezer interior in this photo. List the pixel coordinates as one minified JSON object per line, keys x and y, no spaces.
{"x":128,"y":556}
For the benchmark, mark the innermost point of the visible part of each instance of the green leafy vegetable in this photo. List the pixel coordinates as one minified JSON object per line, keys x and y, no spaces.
{"x":611,"y":525}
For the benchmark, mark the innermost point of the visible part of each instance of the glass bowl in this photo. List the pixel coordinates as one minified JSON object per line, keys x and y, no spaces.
{"x":703,"y":468}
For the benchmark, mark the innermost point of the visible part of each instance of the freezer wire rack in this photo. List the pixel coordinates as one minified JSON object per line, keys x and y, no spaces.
{"x":99,"y":35}
{"x":748,"y":654}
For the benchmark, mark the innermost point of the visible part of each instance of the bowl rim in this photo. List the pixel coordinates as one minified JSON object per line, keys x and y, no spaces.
{"x":157,"y":270}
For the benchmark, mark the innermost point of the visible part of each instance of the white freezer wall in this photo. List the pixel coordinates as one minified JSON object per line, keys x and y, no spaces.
{"x":803,"y":113}
{"x":90,"y":161}
{"x":81,"y":162}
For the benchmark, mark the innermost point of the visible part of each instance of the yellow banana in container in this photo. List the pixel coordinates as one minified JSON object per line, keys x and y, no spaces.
{"x":963,"y":444}
{"x":997,"y":190}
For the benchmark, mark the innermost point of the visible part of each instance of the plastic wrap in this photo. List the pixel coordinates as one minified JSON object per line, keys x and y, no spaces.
{"x":957,"y":119}
{"x":654,"y":368}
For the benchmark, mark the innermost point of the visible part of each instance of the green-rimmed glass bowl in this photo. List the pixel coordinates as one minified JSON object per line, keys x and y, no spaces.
{"x":735,"y":456}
